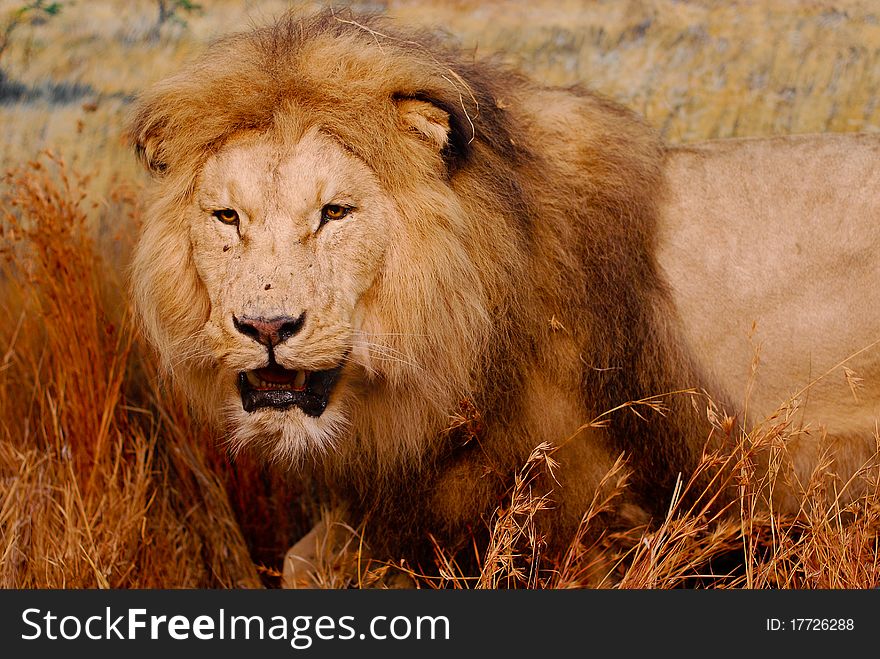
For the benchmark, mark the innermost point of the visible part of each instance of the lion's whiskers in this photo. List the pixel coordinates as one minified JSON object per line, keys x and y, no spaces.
{"x":385,"y":353}
{"x":188,"y":352}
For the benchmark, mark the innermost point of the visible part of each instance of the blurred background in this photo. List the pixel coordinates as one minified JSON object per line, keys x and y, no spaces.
{"x":696,"y":69}
{"x":105,"y":478}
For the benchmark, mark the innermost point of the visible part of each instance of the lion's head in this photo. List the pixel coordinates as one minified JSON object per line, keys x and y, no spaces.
{"x":302,"y":172}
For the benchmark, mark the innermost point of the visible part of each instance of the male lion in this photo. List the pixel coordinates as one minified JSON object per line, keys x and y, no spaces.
{"x":359,"y":234}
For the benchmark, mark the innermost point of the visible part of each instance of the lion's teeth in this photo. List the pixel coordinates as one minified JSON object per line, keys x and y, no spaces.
{"x":297,"y":384}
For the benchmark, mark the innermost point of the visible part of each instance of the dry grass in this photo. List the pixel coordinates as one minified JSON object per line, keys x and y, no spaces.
{"x":695,"y":69}
{"x":107,"y":481}
{"x":833,"y":542}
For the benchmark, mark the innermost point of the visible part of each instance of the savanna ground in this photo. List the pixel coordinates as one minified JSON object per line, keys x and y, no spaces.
{"x":105,"y":478}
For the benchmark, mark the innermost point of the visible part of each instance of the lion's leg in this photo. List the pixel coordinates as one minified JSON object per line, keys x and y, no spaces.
{"x":324,"y":557}
{"x":332,"y":555}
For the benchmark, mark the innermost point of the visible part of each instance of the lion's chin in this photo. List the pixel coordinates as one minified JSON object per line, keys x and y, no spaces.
{"x":280,"y":388}
{"x":287,"y":435}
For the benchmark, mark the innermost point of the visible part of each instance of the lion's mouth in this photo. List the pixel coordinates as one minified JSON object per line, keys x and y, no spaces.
{"x":278,"y":387}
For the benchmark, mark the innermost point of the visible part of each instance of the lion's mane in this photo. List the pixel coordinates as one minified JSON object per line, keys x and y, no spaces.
{"x":527,"y":287}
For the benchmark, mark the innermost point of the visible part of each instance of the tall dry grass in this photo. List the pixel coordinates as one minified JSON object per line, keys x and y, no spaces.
{"x":720,"y":530}
{"x":107,"y":481}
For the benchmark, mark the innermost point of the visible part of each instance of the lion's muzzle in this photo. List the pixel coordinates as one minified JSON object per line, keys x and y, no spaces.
{"x":274,"y":385}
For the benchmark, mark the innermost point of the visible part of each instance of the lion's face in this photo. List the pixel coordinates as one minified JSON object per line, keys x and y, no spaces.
{"x":287,"y":239}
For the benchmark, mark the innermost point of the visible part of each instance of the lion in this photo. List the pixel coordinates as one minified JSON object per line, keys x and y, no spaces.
{"x":359,"y":236}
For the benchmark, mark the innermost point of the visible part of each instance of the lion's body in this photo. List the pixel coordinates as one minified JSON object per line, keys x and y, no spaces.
{"x":772,"y":250}
{"x":497,"y":255}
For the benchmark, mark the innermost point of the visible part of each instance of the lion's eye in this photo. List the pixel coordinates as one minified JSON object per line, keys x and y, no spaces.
{"x":334,"y":212}
{"x":227,"y":216}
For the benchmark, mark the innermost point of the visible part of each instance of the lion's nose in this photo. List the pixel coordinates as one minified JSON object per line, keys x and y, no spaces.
{"x":269,"y":331}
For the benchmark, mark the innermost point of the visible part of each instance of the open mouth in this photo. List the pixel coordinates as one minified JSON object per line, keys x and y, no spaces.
{"x":278,"y":387}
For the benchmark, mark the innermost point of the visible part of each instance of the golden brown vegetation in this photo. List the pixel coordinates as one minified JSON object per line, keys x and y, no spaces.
{"x":743,"y":544}
{"x":107,"y":481}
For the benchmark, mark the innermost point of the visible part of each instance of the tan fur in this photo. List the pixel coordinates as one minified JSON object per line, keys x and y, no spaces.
{"x":785,"y":279}
{"x":501,"y":260}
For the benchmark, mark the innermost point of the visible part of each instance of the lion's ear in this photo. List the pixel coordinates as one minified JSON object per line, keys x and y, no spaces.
{"x":147,"y":153}
{"x":425,"y":118}
{"x":145,"y":136}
